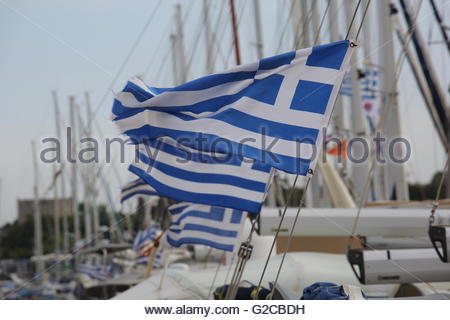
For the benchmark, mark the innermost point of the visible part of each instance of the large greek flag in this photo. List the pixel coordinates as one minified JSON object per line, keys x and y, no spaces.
{"x":272,"y":110}
{"x":137,"y":187}
{"x":185,"y":174}
{"x":216,"y":227}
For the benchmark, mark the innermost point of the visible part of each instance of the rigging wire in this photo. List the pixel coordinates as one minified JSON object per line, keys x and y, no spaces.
{"x":363,"y":18}
{"x":291,"y":233}
{"x":285,"y":27}
{"x":322,"y":21}
{"x":353,"y":19}
{"x":310,"y":173}
{"x":125,"y":61}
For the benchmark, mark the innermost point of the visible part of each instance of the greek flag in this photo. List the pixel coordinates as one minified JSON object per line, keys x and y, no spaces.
{"x":216,"y":227}
{"x":368,"y":85}
{"x":156,"y":264}
{"x":94,"y":272}
{"x":186,"y":174}
{"x":272,"y":110}
{"x":146,"y":237}
{"x":136,"y":187}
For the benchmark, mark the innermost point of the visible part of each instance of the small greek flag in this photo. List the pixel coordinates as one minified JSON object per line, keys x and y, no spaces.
{"x":146,"y":237}
{"x":369,"y":85}
{"x":158,"y":263}
{"x":272,"y":110}
{"x":216,"y":227}
{"x":136,"y":187}
{"x":185,"y":174}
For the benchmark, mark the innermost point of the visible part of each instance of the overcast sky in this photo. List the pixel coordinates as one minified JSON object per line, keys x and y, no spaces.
{"x":78,"y":46}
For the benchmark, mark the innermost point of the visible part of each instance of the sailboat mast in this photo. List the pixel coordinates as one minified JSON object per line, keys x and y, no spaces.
{"x":76,"y":222}
{"x":85,"y":181}
{"x":338,"y":112}
{"x":208,"y":38}
{"x":180,"y":44}
{"x":234,"y":26}
{"x":37,"y":215}
{"x":60,"y":183}
{"x":56,"y":213}
{"x":359,"y":170}
{"x":92,"y":177}
{"x":258,"y":32}
{"x":395,"y":181}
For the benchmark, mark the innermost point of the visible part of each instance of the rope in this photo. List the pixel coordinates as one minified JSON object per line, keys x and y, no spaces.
{"x":288,"y":244}
{"x":362,"y":21}
{"x":353,"y":19}
{"x":215,"y":276}
{"x":321,"y":22}
{"x":291,"y":192}
{"x":124,"y":63}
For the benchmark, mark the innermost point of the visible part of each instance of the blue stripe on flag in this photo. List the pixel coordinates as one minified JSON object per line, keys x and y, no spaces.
{"x":203,"y":177}
{"x":211,"y":199}
{"x":190,"y":139}
{"x":276,"y":61}
{"x":328,"y":55}
{"x":188,"y":240}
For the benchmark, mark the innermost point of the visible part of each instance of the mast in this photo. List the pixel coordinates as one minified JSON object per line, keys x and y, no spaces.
{"x":259,"y":40}
{"x":180,"y":44}
{"x":92,"y":178}
{"x":442,"y":26}
{"x":76,"y":222}
{"x":315,"y":20}
{"x":60,"y":183}
{"x":338,"y":113}
{"x":235,"y":32}
{"x":85,"y":180}
{"x":421,"y":82}
{"x":37,"y":216}
{"x":359,"y":171}
{"x":378,"y":190}
{"x":173,"y":41}
{"x":306,"y":41}
{"x":208,"y":38}
{"x":395,"y":182}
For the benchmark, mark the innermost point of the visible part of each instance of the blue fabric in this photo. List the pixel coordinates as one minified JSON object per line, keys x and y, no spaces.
{"x":311,"y":96}
{"x":324,"y":291}
{"x":322,"y":56}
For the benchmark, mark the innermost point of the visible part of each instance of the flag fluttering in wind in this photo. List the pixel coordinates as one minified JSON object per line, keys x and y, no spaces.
{"x":216,"y":227}
{"x":185,"y":174}
{"x":137,"y":187}
{"x":144,"y":237}
{"x":144,"y":243}
{"x":272,"y":110}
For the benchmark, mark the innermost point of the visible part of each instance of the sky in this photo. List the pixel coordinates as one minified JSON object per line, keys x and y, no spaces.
{"x":75,"y":47}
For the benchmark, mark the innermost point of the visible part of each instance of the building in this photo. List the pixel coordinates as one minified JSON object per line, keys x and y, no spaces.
{"x":26,"y":207}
